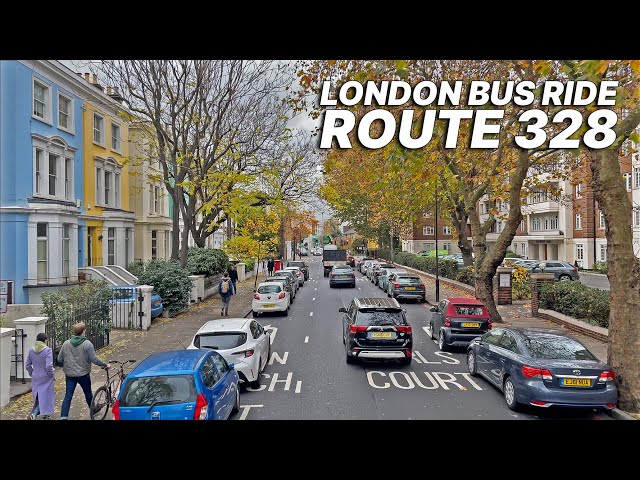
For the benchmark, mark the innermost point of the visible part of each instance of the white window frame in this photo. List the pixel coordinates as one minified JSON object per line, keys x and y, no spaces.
{"x":554,"y":223}
{"x":602,"y":222}
{"x":104,"y":166}
{"x":118,"y":148}
{"x":44,"y":239}
{"x":522,"y":225}
{"x":66,"y":249}
{"x":99,"y":183}
{"x":535,"y":224}
{"x":63,"y":152}
{"x":636,"y":217}
{"x":447,"y":246}
{"x":578,"y":221}
{"x":627,"y":181}
{"x":167,"y":244}
{"x":110,"y":239}
{"x":156,"y":199}
{"x":579,"y":190}
{"x":108,"y":189}
{"x":46,"y":118}
{"x":68,"y":178}
{"x":636,"y":177}
{"x":427,"y":230}
{"x":603,"y":252}
{"x":37,"y":171}
{"x":102,"y":131}
{"x":70,"y":128}
{"x":545,"y":222}
{"x":154,"y":244}
{"x":580,"y":252}
{"x":446,"y":230}
{"x":127,"y":241}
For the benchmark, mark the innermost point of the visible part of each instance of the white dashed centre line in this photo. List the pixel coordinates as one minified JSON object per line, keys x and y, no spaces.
{"x":315,"y":288}
{"x":311,"y":314}
{"x":306,"y":339}
{"x":313,"y":298}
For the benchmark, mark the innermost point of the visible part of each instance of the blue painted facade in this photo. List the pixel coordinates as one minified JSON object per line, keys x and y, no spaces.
{"x":17,"y":203}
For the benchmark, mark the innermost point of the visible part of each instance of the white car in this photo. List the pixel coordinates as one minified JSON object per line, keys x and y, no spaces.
{"x":270,"y":297}
{"x":294,"y":277}
{"x":240,"y":341}
{"x":299,"y":273}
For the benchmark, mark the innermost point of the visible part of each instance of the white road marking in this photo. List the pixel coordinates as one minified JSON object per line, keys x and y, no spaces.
{"x":306,"y":339}
{"x":281,"y":360}
{"x":274,"y":331}
{"x":314,"y":298}
{"x":245,"y":410}
{"x":298,"y":386}
{"x":311,"y":314}
{"x":274,"y":380}
{"x":315,"y":288}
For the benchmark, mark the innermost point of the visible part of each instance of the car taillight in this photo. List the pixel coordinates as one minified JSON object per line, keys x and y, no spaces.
{"x":574,"y":269}
{"x":407,"y":352}
{"x":404,"y":328}
{"x":246,"y":353}
{"x":357,"y":328}
{"x":116,"y":410}
{"x":532,"y":372}
{"x":334,"y":275}
{"x":201,"y":408}
{"x":447,"y":322}
{"x":607,"y":376}
{"x":489,"y":325}
{"x":539,"y":403}
{"x":256,"y":296}
{"x":282,"y":295}
{"x":422,"y":286}
{"x":546,"y":374}
{"x":397,"y":285}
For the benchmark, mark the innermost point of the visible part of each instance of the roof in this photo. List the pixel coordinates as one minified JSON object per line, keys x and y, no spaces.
{"x":537,"y":332}
{"x":224,"y":325}
{"x":172,"y":362}
{"x":464,"y":301}
{"x":377,"y":302}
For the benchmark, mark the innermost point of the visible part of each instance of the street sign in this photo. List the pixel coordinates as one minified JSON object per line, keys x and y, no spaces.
{"x":4,"y":292}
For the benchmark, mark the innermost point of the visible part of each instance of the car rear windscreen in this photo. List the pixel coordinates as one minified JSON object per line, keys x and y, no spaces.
{"x":557,"y":348}
{"x":145,"y":391}
{"x":270,"y":288}
{"x":221,"y":340}
{"x":123,"y":293}
{"x":408,"y":280}
{"x":379,"y":317}
{"x":469,"y":310}
{"x":342,"y":270}
{"x":295,"y":264}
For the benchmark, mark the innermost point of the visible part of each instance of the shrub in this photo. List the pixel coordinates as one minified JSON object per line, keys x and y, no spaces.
{"x":446,"y":268}
{"x":136,"y":268}
{"x":170,"y":282}
{"x":206,"y":261}
{"x":510,"y":254}
{"x":577,"y":300}
{"x":601,"y":267}
{"x":250,"y":264}
{"x":520,"y":288}
{"x":465,"y":275}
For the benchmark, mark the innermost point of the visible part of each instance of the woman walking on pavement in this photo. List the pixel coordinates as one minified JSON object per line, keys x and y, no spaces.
{"x":40,"y":367}
{"x":225,"y":289}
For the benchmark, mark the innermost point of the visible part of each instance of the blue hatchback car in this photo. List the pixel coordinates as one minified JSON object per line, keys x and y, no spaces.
{"x":129,"y":293}
{"x":543,"y":368}
{"x":179,"y":385}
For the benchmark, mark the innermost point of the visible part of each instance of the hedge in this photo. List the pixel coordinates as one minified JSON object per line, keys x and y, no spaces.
{"x":206,"y":261}
{"x":446,"y":268}
{"x":170,"y":282}
{"x":578,"y":301}
{"x":601,"y":267}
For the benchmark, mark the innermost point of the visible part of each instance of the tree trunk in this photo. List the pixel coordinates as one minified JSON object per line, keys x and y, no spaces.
{"x":624,"y":276}
{"x":175,"y":233}
{"x":281,"y":230}
{"x":459,"y":219}
{"x":185,"y":247}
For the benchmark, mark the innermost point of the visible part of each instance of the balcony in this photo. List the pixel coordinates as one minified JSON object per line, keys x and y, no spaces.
{"x":546,"y":234}
{"x":542,"y":207}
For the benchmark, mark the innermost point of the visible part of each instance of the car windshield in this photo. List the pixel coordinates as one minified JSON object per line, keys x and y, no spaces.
{"x":468,"y":310}
{"x":269,"y":289}
{"x":282,"y":273}
{"x":408,"y":280}
{"x":220,"y":340}
{"x":281,"y":280}
{"x":123,"y":293}
{"x":380,"y":317}
{"x":553,"y":347}
{"x":342,"y":270}
{"x":145,"y":391}
{"x":295,"y":264}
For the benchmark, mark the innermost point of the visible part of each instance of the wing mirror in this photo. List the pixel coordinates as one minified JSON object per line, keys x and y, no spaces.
{"x":433,"y":309}
{"x":231,"y":366}
{"x":342,"y":310}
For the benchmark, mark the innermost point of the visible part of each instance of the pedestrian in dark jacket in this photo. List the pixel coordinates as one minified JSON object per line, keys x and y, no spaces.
{"x":76,"y":356}
{"x":40,"y":367}
{"x":225,"y":289}
{"x":270,"y":265}
{"x":233,"y":275}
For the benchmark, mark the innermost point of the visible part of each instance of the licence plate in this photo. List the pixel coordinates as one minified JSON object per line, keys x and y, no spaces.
{"x":155,"y":304}
{"x":409,"y":288}
{"x":381,"y":334}
{"x":470,"y":324}
{"x":344,"y":276}
{"x":268,"y":305}
{"x":576,"y":382}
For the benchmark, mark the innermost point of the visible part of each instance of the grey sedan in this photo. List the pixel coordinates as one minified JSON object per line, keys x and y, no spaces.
{"x":543,"y":368}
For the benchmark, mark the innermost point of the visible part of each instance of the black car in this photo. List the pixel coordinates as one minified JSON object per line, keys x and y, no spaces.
{"x":376,"y":328}
{"x":342,"y":275}
{"x":302,"y":266}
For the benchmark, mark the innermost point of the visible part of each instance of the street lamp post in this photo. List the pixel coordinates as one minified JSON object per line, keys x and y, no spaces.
{"x":436,"y":230}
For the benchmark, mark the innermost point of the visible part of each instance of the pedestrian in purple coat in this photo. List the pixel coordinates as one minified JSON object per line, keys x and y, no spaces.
{"x":40,"y":367}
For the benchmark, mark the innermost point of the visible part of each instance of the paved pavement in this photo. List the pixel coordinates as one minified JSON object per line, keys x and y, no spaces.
{"x":595,"y":280}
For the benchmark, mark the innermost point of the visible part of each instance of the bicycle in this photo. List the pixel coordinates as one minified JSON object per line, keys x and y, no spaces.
{"x":106,"y":396}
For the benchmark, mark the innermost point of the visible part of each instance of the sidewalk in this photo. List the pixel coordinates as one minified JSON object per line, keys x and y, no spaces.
{"x":516,"y":315}
{"x":165,"y":334}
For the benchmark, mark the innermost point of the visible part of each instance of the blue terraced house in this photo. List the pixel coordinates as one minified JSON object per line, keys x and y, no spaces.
{"x":42,"y":234}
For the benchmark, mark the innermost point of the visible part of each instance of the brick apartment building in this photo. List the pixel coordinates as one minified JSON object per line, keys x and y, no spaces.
{"x":423,"y":238}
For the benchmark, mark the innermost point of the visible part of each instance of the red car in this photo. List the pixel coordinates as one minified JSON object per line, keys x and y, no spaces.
{"x":457,"y":321}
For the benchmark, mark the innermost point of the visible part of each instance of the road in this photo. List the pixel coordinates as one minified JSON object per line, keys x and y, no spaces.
{"x":595,"y":280}
{"x":308,"y":378}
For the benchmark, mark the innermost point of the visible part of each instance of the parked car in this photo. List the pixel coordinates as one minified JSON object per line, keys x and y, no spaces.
{"x":299,"y":273}
{"x":374,"y":265}
{"x":544,"y":368}
{"x":342,"y":275}
{"x":562,"y":271}
{"x":375,"y":271}
{"x":363,"y":261}
{"x":302,"y":266}
{"x":292,"y":276}
{"x":366,"y":266}
{"x":129,"y":294}
{"x":269,"y":297}
{"x":242,"y":342}
{"x":179,"y":385}
{"x":457,"y":321}
{"x":286,"y":283}
{"x":405,"y":285}
{"x":383,"y":278}
{"x":376,"y":328}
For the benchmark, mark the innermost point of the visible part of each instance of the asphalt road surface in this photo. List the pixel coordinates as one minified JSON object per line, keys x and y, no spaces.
{"x":307,"y":376}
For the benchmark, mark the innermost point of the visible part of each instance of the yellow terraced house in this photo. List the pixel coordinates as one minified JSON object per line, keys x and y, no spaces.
{"x":109,"y":221}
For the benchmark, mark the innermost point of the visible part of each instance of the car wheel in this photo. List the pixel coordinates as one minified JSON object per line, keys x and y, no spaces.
{"x":471,"y":363}
{"x":564,"y":278}
{"x":423,"y":300}
{"x":236,"y":406}
{"x":255,"y":314}
{"x":405,"y":361}
{"x":509,"y":391}
{"x":441,"y":343}
{"x":350,"y":360}
{"x":255,"y":384}
{"x":330,"y":285}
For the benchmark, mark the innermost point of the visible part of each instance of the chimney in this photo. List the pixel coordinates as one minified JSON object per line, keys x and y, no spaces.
{"x":95,"y":79}
{"x":115,"y":94}
{"x":86,"y":76}
{"x":94,"y":82}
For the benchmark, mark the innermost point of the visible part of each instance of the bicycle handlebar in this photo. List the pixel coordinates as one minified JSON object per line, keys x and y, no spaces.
{"x":122,"y":363}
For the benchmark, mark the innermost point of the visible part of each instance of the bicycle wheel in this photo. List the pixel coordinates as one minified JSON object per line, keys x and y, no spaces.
{"x":99,"y":404}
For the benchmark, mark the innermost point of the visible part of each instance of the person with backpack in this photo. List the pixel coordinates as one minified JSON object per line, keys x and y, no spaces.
{"x":225,"y":289}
